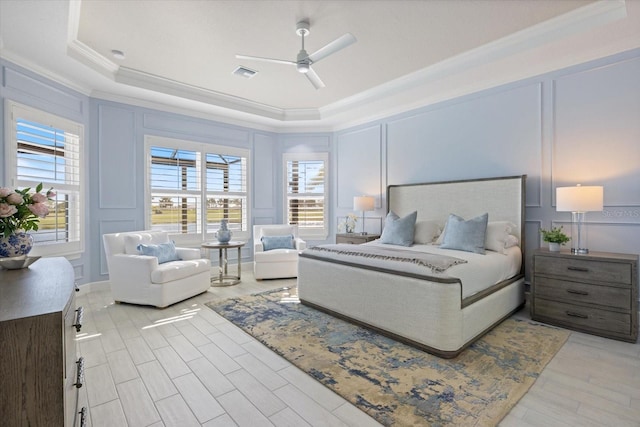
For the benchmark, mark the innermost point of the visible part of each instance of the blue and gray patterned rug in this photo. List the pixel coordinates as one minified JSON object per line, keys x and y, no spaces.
{"x":394,"y":383}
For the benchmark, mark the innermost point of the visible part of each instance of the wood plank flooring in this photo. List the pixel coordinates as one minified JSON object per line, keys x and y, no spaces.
{"x":187,"y":366}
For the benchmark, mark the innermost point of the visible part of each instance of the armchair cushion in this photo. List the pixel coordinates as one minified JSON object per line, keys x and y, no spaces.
{"x":277,"y":242}
{"x":165,"y":252}
{"x":177,"y":270}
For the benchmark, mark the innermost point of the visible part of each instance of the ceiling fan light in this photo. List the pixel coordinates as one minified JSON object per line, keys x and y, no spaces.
{"x":303,"y":68}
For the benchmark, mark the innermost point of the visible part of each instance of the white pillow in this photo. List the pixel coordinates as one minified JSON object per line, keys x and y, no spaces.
{"x":499,"y":235}
{"x":426,"y":232}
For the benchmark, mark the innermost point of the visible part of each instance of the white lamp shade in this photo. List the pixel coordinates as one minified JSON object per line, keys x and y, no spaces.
{"x":363,"y":203}
{"x":579,"y":199}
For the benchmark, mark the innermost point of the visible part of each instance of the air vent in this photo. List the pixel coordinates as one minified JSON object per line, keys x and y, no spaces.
{"x":245,"y":72}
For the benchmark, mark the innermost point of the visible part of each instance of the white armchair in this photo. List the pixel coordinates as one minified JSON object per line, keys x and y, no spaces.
{"x":276,"y":263}
{"x":140,"y":279}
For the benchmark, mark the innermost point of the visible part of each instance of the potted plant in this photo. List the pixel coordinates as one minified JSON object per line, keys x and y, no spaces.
{"x":555,"y":237}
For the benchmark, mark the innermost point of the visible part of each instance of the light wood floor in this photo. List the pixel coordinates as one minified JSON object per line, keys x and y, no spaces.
{"x":185,"y":365}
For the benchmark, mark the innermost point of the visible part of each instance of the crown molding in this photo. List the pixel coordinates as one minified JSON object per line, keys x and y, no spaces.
{"x":43,"y":72}
{"x":396,"y":94}
{"x":582,"y":19}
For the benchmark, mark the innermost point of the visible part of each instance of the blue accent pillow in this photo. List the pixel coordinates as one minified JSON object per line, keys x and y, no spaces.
{"x":468,"y":236}
{"x":399,"y":231}
{"x":277,"y":242}
{"x":165,"y":252}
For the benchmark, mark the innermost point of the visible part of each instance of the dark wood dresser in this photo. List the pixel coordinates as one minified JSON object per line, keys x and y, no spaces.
{"x":39,"y":372}
{"x":596,"y":293}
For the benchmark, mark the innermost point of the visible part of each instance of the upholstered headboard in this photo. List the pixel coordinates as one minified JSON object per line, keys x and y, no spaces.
{"x":502,"y":198}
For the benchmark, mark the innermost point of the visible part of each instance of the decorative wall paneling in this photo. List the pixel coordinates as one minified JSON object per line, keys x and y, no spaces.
{"x":30,"y":89}
{"x":42,"y":94}
{"x":363,"y":176}
{"x":116,"y":146}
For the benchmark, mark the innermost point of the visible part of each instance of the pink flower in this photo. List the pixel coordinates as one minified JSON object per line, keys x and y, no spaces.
{"x":39,"y":209}
{"x":7,"y":210}
{"x":38,"y":198}
{"x":15,"y":199}
{"x":4,"y":191}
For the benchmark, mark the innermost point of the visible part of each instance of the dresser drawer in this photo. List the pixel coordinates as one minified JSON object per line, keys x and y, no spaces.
{"x":582,"y":269}
{"x":580,"y":317}
{"x":607,"y":296}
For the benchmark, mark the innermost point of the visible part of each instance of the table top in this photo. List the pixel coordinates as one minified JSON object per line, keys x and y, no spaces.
{"x":231,"y":244}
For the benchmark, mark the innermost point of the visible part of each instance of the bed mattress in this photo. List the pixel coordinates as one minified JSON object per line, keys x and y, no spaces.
{"x":477,"y":273}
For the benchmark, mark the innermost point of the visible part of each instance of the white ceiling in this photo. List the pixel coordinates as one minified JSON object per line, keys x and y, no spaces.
{"x":181,"y":53}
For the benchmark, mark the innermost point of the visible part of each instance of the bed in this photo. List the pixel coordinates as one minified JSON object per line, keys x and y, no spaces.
{"x":433,"y":303}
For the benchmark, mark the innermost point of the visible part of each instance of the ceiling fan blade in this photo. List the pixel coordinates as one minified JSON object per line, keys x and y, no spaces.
{"x":334,"y":46}
{"x":314,"y":79}
{"x":258,"y":58}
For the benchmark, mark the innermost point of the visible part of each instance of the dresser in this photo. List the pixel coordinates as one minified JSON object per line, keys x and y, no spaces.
{"x":39,"y":373}
{"x":596,"y":293}
{"x":356,"y":238}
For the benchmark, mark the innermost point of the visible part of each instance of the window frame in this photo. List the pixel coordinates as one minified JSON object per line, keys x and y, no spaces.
{"x":202,"y":149}
{"x":311,"y":234}
{"x":15,"y":110}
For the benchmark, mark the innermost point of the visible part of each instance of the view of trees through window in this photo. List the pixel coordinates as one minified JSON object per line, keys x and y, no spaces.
{"x":193,"y":190}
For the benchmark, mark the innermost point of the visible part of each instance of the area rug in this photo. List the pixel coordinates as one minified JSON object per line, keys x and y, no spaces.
{"x":396,"y":384}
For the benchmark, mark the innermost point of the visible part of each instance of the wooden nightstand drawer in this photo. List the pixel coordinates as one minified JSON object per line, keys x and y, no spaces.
{"x":581,"y":317}
{"x":579,"y":269}
{"x":595,"y":293}
{"x":561,"y":290}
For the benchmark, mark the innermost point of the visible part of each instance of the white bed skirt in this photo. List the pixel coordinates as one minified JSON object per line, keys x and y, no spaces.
{"x":423,"y":313}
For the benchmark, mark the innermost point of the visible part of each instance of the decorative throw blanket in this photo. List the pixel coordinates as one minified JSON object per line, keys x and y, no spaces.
{"x":437,"y":263}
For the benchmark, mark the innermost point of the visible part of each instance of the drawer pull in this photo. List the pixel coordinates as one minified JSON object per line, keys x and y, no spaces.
{"x":581,"y":269}
{"x":83,"y":416}
{"x":572,"y":314}
{"x":573,"y":291}
{"x":79,"y":315}
{"x":79,"y":373}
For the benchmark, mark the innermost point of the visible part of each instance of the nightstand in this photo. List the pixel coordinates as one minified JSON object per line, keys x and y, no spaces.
{"x":356,"y":238}
{"x":596,"y":293}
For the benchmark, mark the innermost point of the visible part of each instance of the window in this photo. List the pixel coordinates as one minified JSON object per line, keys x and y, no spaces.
{"x":193,"y":186}
{"x":49,"y":149}
{"x":306,"y":201}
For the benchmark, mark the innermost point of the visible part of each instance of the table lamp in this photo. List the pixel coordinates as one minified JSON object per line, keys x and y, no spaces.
{"x":579,"y":200}
{"x":364,"y":204}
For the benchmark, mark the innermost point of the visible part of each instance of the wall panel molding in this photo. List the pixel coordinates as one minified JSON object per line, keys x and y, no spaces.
{"x":43,"y":92}
{"x":360,"y":170}
{"x":596,"y":131}
{"x":117,"y":160}
{"x":191,"y":127}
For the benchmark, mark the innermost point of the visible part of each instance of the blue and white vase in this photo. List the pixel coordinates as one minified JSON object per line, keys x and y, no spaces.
{"x":224,"y":234}
{"x":16,"y":244}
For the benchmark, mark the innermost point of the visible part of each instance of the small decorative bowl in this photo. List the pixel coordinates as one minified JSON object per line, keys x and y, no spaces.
{"x":17,"y":262}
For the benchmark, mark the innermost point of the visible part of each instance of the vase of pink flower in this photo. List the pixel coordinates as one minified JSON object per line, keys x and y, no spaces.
{"x":20,"y":212}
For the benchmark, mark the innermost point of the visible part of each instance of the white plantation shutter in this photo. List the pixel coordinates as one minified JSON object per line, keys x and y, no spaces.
{"x":48,"y":149}
{"x":226,"y":181}
{"x":193,"y":186}
{"x":176,"y":204}
{"x":306,"y":193}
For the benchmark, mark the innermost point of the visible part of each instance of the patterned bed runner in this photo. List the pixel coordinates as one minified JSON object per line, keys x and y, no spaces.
{"x":437,"y":263}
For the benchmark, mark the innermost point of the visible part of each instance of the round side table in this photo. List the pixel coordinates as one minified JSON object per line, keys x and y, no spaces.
{"x":224,"y":278}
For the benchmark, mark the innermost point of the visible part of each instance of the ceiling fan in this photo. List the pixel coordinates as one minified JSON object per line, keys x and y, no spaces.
{"x":304,"y":61}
